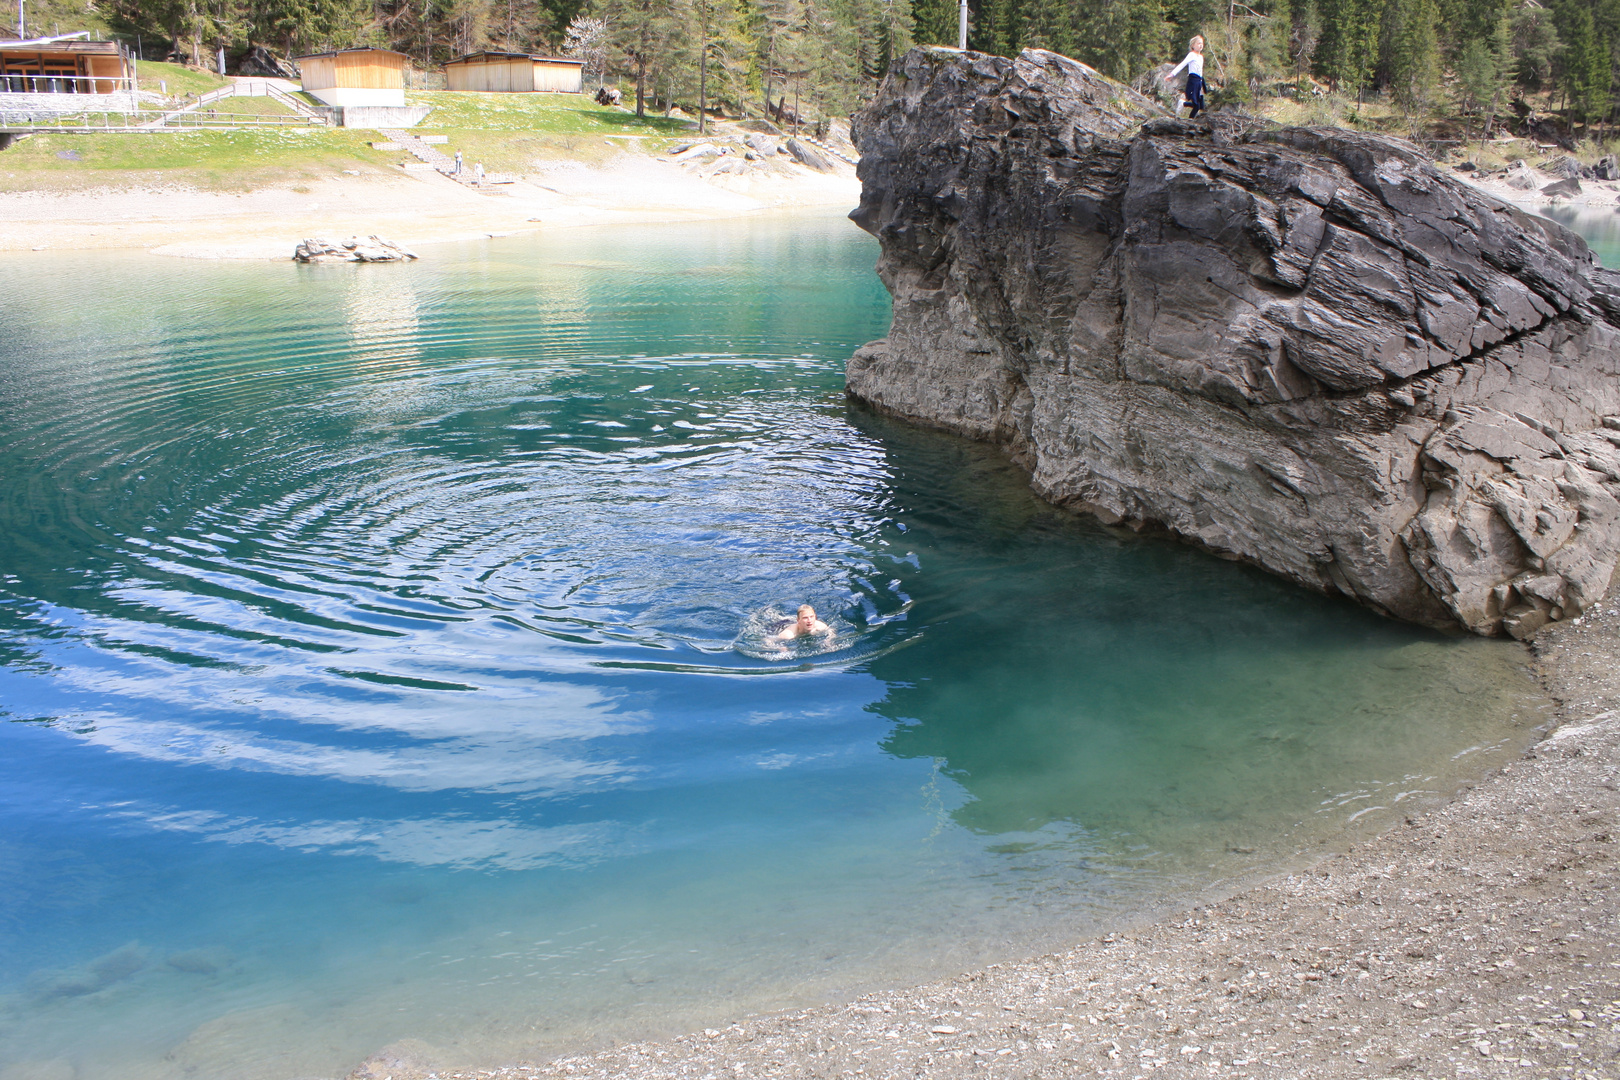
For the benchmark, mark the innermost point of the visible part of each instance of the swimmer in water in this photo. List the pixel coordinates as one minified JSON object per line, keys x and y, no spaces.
{"x":805,"y":625}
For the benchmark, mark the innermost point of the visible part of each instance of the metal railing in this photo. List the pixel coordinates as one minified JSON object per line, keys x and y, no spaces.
{"x":36,"y":82}
{"x":146,"y":121}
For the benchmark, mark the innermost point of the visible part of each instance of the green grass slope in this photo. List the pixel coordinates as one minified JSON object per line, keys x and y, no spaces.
{"x":507,"y":133}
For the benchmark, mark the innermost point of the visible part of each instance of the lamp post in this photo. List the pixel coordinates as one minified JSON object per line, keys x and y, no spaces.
{"x":961,"y":27}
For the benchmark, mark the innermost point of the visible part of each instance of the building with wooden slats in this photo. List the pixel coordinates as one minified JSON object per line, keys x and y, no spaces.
{"x":356,"y":77}
{"x":65,"y":73}
{"x":515,"y":73}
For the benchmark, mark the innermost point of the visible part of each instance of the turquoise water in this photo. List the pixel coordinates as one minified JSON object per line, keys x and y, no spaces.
{"x":371,"y":669}
{"x":1600,"y":228}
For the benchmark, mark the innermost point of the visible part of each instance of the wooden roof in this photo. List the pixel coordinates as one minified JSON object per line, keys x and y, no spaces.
{"x":356,"y":49}
{"x":92,"y":48}
{"x":493,"y":55}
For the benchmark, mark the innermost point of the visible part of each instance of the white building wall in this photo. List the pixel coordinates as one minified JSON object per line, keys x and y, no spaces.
{"x":35,"y":104}
{"x":348,"y":95}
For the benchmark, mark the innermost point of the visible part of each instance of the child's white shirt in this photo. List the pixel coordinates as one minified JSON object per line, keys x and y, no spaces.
{"x":1194,"y":65}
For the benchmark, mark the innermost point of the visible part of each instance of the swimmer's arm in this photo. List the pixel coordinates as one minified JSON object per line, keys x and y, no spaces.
{"x":823,"y":628}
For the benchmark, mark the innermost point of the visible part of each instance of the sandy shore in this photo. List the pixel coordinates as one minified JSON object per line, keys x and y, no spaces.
{"x":1595,"y":194}
{"x":414,"y":209}
{"x":1476,"y":939}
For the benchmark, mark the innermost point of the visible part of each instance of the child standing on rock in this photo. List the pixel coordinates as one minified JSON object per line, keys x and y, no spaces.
{"x":1194,"y":64}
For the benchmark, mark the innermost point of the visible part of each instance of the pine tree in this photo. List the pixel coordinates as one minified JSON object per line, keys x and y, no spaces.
{"x":1049,"y":24}
{"x":1535,"y":47}
{"x":1412,"y":52}
{"x":1123,"y":38}
{"x":721,"y":46}
{"x":1349,"y":45}
{"x":1304,"y":33}
{"x":1585,"y":73}
{"x":641,"y":32}
{"x":934,"y":21}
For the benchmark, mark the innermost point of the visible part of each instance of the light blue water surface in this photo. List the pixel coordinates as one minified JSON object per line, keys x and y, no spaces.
{"x":370,"y":671}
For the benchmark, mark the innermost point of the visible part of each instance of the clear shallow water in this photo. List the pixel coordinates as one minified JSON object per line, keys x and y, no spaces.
{"x":370,"y":670}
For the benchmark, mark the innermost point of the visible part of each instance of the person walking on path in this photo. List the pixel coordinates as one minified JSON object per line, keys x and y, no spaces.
{"x":478,"y":174}
{"x":1194,"y":64}
{"x":458,"y":162}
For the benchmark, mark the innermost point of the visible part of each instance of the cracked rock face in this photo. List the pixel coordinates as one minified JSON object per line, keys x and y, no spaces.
{"x":1305,"y":348}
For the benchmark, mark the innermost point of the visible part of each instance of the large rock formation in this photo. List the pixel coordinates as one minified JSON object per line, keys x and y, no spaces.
{"x":1305,"y":348}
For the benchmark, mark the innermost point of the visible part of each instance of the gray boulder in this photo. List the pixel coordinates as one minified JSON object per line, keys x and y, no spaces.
{"x":1565,"y":168}
{"x":1563,"y":188}
{"x":371,"y":249}
{"x":1607,"y":168}
{"x":1522,"y":177}
{"x":1306,"y":348}
{"x":809,"y":156}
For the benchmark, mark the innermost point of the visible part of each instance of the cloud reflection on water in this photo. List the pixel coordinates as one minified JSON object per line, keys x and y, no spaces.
{"x":433,"y":842}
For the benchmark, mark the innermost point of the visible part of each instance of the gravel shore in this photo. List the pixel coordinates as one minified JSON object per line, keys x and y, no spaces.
{"x":1476,"y":939}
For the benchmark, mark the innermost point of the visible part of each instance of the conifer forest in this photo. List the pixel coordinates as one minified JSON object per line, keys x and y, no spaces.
{"x":1471,"y":60}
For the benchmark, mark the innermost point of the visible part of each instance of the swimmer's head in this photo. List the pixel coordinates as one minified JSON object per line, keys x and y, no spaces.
{"x":807,"y":617}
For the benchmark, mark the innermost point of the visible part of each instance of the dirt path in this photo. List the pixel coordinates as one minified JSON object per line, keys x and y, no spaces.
{"x":1477,"y":939}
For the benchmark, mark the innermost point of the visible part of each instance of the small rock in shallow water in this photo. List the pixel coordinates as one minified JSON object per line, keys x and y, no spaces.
{"x":371,"y":249}
{"x":200,"y":961}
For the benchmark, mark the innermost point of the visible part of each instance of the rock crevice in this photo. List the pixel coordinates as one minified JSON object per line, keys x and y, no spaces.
{"x":1306,"y":348}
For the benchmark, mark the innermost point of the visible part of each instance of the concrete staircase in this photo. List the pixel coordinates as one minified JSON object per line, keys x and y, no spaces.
{"x":246,"y":88}
{"x":441,"y":162}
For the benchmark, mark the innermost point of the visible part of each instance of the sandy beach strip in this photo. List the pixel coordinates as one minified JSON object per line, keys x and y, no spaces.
{"x":414,"y":209}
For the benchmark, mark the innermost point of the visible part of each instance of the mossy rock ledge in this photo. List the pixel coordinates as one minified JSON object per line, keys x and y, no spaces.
{"x":1306,"y":348}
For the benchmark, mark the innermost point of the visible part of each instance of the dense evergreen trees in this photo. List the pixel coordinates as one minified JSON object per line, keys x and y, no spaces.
{"x":1470,"y":55}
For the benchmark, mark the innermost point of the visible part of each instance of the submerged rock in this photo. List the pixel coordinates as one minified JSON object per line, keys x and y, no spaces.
{"x":95,"y":976}
{"x":1307,"y":348}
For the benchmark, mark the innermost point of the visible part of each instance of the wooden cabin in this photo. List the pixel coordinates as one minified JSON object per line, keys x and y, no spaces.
{"x":65,"y":66}
{"x":515,"y":73}
{"x":347,"y":77}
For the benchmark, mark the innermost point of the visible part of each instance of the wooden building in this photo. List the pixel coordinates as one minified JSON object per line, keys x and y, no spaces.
{"x":515,"y":73}
{"x":354,"y":77}
{"x":65,"y":65}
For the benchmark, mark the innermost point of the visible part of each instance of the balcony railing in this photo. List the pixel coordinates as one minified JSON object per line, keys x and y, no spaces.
{"x":37,"y":82}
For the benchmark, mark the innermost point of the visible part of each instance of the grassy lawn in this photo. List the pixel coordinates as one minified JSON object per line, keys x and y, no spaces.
{"x":246,"y":106}
{"x":179,"y":80}
{"x":508,"y":133}
{"x":212,"y":160}
{"x":552,"y":114}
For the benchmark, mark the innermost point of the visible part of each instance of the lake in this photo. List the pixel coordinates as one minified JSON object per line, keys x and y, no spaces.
{"x":382,"y":661}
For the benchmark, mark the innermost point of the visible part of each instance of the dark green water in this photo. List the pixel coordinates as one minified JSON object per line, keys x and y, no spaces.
{"x":370,"y":667}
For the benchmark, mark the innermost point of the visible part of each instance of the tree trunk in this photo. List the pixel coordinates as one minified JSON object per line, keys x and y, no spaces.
{"x":770,"y":60}
{"x":703,"y":88}
{"x":641,"y":86}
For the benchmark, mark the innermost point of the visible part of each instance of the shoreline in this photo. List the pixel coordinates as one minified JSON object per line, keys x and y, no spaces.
{"x":174,"y":218}
{"x":1479,"y":937}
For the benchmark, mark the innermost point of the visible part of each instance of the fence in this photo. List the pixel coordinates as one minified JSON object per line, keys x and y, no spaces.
{"x":21,"y":82}
{"x":146,"y":121}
